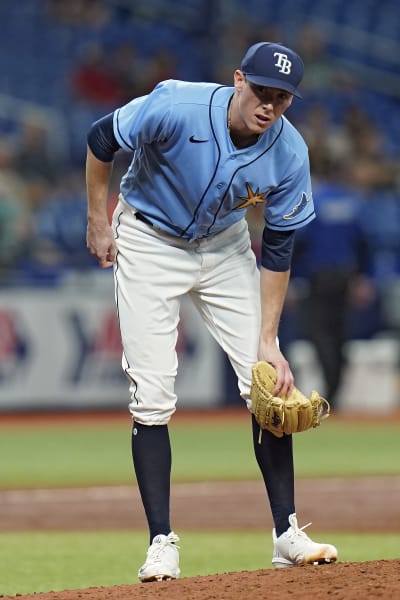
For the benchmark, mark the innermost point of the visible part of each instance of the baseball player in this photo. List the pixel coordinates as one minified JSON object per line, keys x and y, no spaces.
{"x":203,"y":154}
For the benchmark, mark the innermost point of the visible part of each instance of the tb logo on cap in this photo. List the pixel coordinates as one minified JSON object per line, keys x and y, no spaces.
{"x":283,"y":63}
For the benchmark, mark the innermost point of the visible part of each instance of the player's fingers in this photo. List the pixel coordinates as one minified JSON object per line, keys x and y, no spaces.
{"x":105,"y":264}
{"x":285,"y":380}
{"x":106,"y":256}
{"x":112,"y":254}
{"x":107,"y":260}
{"x":101,"y":244}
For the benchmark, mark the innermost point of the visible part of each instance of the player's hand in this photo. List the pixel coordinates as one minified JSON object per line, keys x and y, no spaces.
{"x":101,"y":243}
{"x":271,"y":353}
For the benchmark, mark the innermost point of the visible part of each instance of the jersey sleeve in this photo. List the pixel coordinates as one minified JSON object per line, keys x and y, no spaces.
{"x":290,"y":205}
{"x":144,"y":119}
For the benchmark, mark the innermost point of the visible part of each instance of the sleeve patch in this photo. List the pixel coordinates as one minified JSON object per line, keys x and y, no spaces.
{"x":299,"y":207}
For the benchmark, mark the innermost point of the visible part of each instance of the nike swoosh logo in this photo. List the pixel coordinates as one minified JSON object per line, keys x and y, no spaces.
{"x":195,"y":141}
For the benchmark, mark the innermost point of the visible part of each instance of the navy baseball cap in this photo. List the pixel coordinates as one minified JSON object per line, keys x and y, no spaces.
{"x":273,"y":65}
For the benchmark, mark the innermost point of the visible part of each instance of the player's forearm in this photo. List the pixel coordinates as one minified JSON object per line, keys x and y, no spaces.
{"x":274,"y":286}
{"x":98,"y":176}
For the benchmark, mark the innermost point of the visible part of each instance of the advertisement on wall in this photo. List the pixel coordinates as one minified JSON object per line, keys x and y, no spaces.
{"x":62,"y":349}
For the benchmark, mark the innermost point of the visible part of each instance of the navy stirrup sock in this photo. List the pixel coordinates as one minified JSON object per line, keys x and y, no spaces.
{"x":151,"y":454}
{"x":275,"y":458}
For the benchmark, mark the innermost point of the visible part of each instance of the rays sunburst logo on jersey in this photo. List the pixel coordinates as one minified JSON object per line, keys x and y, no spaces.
{"x":252,"y":198}
{"x":304,"y":200}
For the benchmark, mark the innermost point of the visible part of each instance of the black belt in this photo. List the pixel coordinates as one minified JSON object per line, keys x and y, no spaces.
{"x":144,"y":219}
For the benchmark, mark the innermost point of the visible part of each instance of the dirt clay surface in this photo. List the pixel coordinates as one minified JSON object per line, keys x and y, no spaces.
{"x":342,"y":581}
{"x":365,"y":505}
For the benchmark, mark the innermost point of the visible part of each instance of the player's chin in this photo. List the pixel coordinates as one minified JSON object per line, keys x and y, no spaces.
{"x":259,"y":129}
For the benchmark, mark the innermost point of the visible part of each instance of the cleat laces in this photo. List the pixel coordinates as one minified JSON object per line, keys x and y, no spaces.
{"x":299,"y":531}
{"x":156,"y":550}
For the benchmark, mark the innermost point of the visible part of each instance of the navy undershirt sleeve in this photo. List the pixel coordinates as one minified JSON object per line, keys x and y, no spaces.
{"x":277,"y":249}
{"x":101,"y":139}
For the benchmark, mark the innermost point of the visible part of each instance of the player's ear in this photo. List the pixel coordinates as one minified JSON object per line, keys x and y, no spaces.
{"x":239,"y":80}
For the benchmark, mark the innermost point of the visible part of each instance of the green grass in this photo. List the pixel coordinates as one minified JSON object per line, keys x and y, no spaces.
{"x":335,"y":449}
{"x":71,"y":454}
{"x":41,"y":562}
{"x":68,"y":455}
{"x":340,"y":449}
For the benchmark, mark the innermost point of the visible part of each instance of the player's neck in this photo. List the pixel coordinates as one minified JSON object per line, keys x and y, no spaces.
{"x":239,"y":138}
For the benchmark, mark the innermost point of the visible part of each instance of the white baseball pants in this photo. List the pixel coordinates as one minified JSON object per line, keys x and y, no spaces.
{"x":154,"y":270}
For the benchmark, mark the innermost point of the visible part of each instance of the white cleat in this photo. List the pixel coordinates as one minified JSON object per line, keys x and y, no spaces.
{"x":294,"y":548}
{"x":162,"y":560}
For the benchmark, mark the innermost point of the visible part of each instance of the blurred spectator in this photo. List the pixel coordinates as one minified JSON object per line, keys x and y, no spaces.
{"x":129,"y":69}
{"x":15,"y":215}
{"x":238,"y":34}
{"x":60,"y":227}
{"x":94,"y":82}
{"x":232,"y":43}
{"x":34,"y":154}
{"x":161,"y":66}
{"x":15,"y":233}
{"x":380,"y":221}
{"x":325,"y":138}
{"x":234,"y":39}
{"x":322,"y":73}
{"x":95,"y":13}
{"x":373,"y":170}
{"x":10,"y":180}
{"x":265,"y":31}
{"x":111,"y":79}
{"x":331,"y":265}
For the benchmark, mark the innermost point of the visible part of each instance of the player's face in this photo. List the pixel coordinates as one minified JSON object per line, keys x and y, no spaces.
{"x":259,"y":107}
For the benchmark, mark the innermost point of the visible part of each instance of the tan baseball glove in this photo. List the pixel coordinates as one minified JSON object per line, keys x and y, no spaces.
{"x":283,"y":415}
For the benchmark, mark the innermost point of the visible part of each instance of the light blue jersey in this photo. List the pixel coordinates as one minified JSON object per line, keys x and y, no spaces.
{"x":188,"y":177}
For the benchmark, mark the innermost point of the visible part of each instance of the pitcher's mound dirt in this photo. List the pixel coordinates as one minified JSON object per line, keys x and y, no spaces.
{"x":342,"y":581}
